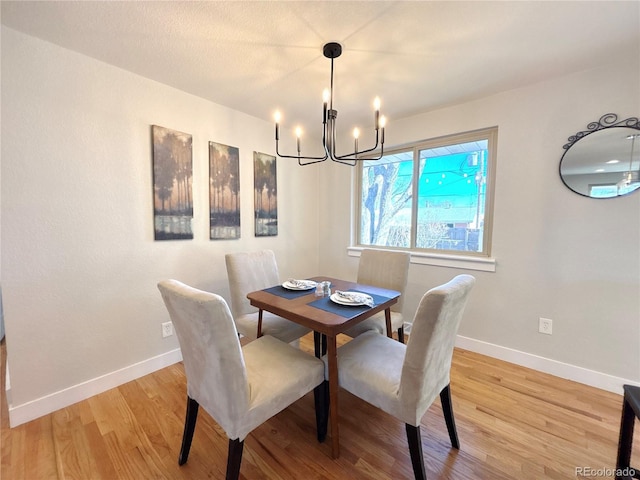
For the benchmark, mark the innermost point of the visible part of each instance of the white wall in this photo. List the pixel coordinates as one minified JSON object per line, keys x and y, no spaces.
{"x":559,"y":255}
{"x":79,"y":263}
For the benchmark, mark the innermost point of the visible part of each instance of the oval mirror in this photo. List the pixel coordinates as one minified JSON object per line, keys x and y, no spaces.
{"x":604,"y":160}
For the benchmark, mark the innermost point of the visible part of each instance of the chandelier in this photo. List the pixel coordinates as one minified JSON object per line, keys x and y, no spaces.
{"x":333,"y":50}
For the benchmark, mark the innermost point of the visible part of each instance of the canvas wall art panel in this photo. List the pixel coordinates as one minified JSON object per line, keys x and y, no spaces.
{"x":224,"y":192}
{"x":172,"y":184}
{"x":265,"y":195}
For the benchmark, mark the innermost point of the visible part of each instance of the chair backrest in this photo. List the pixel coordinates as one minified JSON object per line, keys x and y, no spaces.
{"x":211,"y":351}
{"x":428,"y":356}
{"x":385,"y":269}
{"x":248,"y":272}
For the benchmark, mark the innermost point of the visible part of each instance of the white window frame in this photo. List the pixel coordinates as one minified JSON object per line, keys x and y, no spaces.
{"x":446,"y":258}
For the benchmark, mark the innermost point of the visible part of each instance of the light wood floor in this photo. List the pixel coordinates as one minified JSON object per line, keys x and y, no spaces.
{"x":513,"y":423}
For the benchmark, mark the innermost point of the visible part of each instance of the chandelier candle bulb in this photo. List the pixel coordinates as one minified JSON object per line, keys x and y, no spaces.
{"x":298,"y":134}
{"x":325,"y":101}
{"x":276,"y":117}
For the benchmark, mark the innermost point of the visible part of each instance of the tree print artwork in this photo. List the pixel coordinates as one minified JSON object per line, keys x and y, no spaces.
{"x":224,"y":192}
{"x":265,"y":206}
{"x":172,"y":184}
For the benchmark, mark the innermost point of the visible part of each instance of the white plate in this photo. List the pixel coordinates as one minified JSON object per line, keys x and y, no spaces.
{"x":309,"y":285}
{"x":343,"y":301}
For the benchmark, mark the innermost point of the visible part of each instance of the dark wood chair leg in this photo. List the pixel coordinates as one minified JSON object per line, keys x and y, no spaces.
{"x":415,"y":449}
{"x":316,"y":343}
{"x":401,"y":334}
{"x":234,"y":459}
{"x":447,"y":409}
{"x":321,"y":397}
{"x":189,"y":427}
{"x":319,"y":344}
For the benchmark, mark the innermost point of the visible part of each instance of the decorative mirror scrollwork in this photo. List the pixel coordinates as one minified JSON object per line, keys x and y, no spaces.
{"x":603,"y":161}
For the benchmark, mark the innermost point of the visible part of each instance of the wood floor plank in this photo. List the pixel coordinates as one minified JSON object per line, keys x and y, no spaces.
{"x":103,"y":468}
{"x":41,"y":461}
{"x":74,"y":458}
{"x":513,"y":423}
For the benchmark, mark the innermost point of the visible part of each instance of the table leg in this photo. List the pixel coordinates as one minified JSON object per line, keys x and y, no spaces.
{"x":259,"y":323}
{"x":387,"y":319}
{"x":332,"y":360}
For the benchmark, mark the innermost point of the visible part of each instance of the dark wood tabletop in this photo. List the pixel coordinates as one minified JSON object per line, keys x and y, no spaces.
{"x":298,"y":309}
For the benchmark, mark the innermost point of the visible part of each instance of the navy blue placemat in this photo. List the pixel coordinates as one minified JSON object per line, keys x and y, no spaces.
{"x":280,"y":291}
{"x":347,"y":311}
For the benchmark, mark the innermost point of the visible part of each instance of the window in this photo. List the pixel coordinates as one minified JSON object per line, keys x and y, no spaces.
{"x":603,"y":191}
{"x":450,"y":212}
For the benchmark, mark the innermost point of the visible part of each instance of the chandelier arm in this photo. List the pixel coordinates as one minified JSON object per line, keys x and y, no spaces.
{"x":302,"y":164}
{"x":324,"y":142}
{"x":332,"y":135}
{"x":344,"y":162}
{"x":326,"y":137}
{"x":379,"y":156}
{"x":344,"y":158}
{"x":357,"y":159}
{"x":300,"y":157}
{"x":320,"y":159}
{"x":360,"y":152}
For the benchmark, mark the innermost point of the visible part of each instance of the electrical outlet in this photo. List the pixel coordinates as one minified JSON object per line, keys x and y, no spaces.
{"x":545,"y":326}
{"x":167,"y":329}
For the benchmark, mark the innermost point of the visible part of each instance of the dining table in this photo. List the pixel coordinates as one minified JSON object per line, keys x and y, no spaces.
{"x":328,"y":316}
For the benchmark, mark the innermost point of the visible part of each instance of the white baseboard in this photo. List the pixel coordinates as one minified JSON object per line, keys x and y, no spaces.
{"x":19,"y":414}
{"x":7,"y":383}
{"x":546,"y":365}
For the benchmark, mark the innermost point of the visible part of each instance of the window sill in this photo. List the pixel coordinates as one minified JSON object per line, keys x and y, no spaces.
{"x":467,"y":262}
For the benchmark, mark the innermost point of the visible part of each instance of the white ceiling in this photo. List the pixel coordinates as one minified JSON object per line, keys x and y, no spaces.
{"x":417,"y":56}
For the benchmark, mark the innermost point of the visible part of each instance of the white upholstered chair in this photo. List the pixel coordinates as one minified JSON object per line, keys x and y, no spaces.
{"x":240,"y":387}
{"x":404,"y":380}
{"x":385,"y":269}
{"x":248,"y":272}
